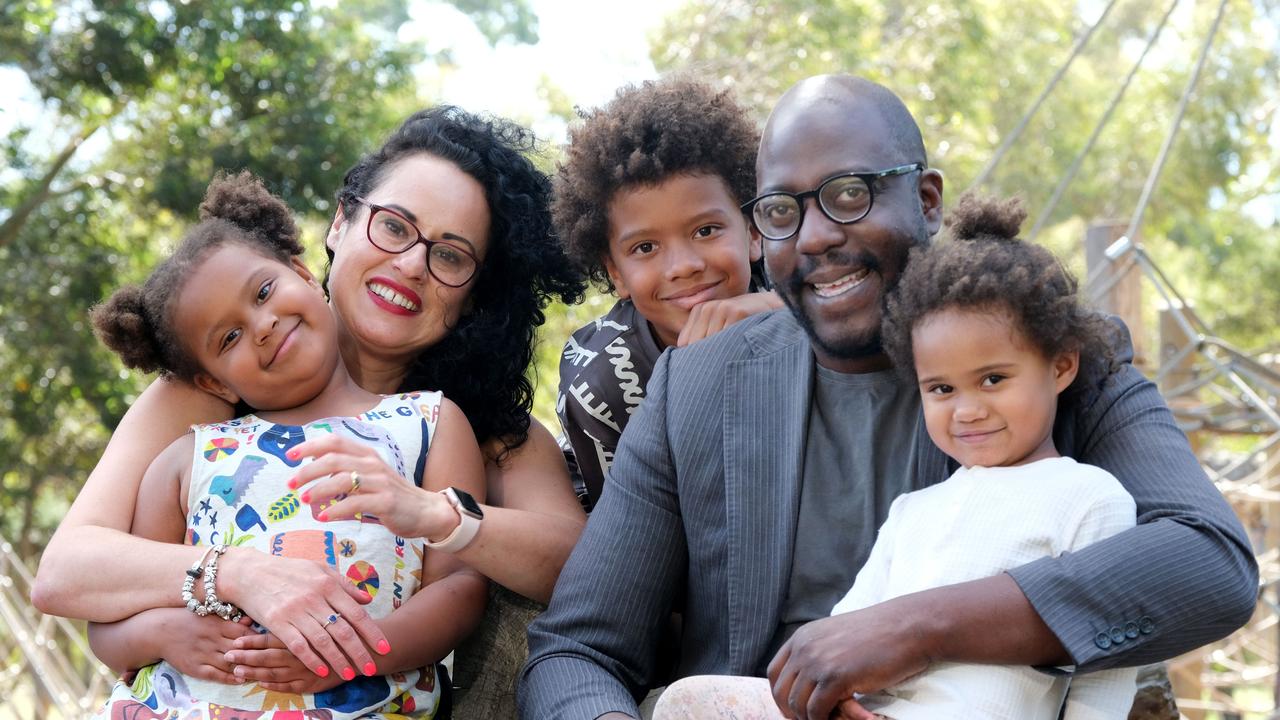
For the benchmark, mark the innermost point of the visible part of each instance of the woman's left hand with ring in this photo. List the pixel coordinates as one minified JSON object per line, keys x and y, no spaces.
{"x":343,"y":466}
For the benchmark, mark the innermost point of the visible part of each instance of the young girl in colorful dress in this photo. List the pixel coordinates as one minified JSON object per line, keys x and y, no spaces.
{"x":235,"y":313}
{"x":989,"y":328}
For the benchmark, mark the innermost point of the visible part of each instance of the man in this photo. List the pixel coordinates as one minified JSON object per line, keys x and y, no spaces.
{"x":747,"y":492}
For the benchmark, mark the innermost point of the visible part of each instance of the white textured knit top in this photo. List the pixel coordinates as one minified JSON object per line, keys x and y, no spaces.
{"x":980,"y":522}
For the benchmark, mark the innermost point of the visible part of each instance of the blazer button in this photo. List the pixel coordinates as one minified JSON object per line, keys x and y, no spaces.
{"x":1131,"y":630}
{"x":1102,"y":640}
{"x":1117,"y":635}
{"x":1146,"y":625}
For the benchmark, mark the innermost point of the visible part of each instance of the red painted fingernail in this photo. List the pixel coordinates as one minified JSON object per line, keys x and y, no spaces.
{"x":306,"y":497}
{"x":370,"y":668}
{"x":384,"y":647}
{"x":293,"y":483}
{"x":348,"y":673}
{"x":323,"y":516}
{"x":323,"y":671}
{"x":292,"y":454}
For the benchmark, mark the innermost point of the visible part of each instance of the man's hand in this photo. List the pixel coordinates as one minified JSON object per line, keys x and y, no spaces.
{"x":828,"y":660}
{"x":987,"y":621}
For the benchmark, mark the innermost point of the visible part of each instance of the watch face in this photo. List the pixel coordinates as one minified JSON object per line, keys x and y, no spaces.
{"x":468,"y":504}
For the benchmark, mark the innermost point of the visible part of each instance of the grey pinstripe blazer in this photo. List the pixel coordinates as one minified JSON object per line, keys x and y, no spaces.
{"x":701,"y":506}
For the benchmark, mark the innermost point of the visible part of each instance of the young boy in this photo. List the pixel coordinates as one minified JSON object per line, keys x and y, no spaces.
{"x":647,"y":203}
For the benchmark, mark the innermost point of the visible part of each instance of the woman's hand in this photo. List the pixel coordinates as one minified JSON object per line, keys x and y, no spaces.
{"x":265,"y":659}
{"x":401,"y":506}
{"x":294,"y":599}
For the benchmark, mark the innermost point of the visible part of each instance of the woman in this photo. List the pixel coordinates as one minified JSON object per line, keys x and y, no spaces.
{"x":455,"y":176}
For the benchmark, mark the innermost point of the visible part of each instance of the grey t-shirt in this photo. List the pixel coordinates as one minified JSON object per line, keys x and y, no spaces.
{"x":859,"y":456}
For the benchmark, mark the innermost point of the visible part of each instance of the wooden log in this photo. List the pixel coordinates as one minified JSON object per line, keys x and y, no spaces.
{"x":1122,"y":279}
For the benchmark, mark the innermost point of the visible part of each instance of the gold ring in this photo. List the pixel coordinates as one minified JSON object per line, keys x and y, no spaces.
{"x":355,"y":483}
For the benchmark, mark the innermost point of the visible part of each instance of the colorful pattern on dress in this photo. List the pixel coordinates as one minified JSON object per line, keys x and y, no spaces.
{"x":239,"y":496}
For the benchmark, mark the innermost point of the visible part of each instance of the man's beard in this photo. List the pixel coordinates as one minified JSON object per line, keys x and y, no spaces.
{"x":855,"y":347}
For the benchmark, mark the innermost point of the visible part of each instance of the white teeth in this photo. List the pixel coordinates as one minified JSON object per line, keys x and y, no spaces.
{"x":841,"y":285}
{"x":392,"y":296}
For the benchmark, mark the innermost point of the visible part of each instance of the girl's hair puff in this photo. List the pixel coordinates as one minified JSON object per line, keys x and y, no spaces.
{"x":986,"y":267}
{"x":137,"y":322}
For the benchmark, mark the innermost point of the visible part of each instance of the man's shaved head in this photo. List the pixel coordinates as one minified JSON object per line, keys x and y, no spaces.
{"x":845,"y":94}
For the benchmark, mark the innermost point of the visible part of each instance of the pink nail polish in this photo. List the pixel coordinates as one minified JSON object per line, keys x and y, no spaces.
{"x":384,"y":647}
{"x":292,"y":454}
{"x":323,"y":671}
{"x":306,"y":497}
{"x":370,"y":668}
{"x":348,"y":673}
{"x":323,"y":516}
{"x":293,"y":483}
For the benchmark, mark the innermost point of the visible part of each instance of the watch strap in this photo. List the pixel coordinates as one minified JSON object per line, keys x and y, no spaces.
{"x":468,"y":526}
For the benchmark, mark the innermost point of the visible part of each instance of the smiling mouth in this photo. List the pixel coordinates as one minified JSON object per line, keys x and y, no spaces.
{"x":393,"y":297}
{"x":976,"y":437}
{"x":841,"y":285}
{"x":690,"y":297}
{"x":280,"y":348}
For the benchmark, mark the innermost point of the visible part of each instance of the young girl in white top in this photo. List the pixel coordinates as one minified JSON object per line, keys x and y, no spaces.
{"x":234,"y":312}
{"x":991,"y":331}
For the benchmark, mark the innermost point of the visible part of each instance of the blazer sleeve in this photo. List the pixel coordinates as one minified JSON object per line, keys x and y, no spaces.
{"x":593,"y":650}
{"x":1184,"y":576}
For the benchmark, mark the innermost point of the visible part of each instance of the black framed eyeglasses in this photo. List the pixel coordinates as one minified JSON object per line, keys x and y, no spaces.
{"x":845,"y":198}
{"x":391,"y":232}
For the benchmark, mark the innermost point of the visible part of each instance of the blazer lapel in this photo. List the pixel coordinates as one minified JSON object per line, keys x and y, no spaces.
{"x":765,"y":412}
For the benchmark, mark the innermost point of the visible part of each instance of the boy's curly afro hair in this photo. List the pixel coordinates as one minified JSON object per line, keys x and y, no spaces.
{"x":646,"y":134}
{"x":987,"y":268}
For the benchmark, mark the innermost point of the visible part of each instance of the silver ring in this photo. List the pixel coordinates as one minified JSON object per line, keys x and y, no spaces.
{"x":330,"y":620}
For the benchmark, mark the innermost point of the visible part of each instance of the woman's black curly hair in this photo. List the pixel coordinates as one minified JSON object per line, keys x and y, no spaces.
{"x":137,"y":322}
{"x":646,"y":134}
{"x":986,"y":267}
{"x":481,"y":363}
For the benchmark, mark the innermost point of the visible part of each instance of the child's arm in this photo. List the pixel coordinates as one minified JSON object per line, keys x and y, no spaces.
{"x":193,"y":644}
{"x":1106,"y":693}
{"x":146,"y":574}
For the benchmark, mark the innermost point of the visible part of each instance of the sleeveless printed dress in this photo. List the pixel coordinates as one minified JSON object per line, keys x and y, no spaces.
{"x":239,"y":497}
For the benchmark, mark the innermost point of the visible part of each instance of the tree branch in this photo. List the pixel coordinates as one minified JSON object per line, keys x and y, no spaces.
{"x":15,"y":222}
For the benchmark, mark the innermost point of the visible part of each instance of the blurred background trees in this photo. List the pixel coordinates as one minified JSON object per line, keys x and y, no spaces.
{"x":148,"y":101}
{"x":141,"y":103}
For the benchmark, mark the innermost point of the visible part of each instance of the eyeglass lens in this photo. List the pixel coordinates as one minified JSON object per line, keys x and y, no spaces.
{"x":844,"y":199}
{"x":394,"y":234}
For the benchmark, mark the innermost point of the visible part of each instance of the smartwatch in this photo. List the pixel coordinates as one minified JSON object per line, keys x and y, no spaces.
{"x":469,"y":513}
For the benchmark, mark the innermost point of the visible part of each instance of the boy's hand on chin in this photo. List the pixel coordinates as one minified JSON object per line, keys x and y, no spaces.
{"x":713,"y":316}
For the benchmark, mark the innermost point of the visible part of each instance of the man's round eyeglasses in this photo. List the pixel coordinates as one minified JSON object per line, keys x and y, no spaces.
{"x":845,"y":198}
{"x":389,"y":231}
